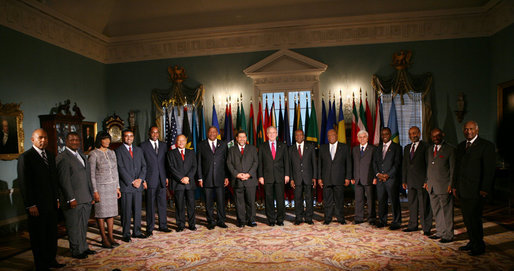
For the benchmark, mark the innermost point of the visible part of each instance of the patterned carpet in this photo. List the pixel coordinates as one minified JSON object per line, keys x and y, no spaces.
{"x":304,"y":247}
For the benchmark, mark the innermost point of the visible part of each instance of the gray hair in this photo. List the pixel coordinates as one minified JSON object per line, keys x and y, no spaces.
{"x":271,"y":127}
{"x":363,"y":132}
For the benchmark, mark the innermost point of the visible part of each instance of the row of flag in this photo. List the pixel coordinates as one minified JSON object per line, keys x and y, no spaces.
{"x":362,"y":119}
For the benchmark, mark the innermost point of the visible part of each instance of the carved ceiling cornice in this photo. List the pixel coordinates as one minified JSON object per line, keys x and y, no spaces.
{"x":36,"y":20}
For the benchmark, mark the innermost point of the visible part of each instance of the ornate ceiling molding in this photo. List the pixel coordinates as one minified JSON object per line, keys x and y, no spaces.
{"x":34,"y":20}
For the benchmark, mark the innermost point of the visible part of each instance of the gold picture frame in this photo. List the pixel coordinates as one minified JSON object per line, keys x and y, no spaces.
{"x":88,"y":142}
{"x":505,"y":99}
{"x":11,"y":131}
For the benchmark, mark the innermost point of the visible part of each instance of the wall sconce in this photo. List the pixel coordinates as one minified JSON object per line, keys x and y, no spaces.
{"x":461,"y":107}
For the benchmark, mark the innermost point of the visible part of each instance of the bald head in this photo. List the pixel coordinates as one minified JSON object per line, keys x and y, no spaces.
{"x":39,"y":139}
{"x":181,"y":141}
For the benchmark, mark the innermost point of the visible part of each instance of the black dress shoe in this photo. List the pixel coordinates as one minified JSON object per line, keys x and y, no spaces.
{"x":211,"y":226}
{"x":357,"y":222}
{"x":426,"y":233}
{"x":326,"y":222}
{"x":165,"y":230}
{"x":445,"y":240}
{"x":90,"y":252}
{"x":271,"y":224}
{"x":222,"y":225}
{"x":149,"y":233}
{"x":372,"y":222}
{"x":394,"y":227}
{"x":252,"y":224}
{"x":140,"y":236}
{"x":57,"y":265}
{"x":435,"y":237}
{"x":476,"y":252}
{"x":179,"y":229}
{"x":380,"y":224}
{"x":192,"y":228}
{"x":126,"y":239}
{"x":107,"y":246}
{"x":466,"y":247}
{"x":342,"y":222}
{"x":297,"y":222}
{"x":410,"y":230}
{"x":80,"y":256}
{"x":309,"y":222}
{"x":280,"y":223}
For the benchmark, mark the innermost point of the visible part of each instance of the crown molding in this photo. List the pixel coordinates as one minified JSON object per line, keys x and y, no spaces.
{"x":36,"y":20}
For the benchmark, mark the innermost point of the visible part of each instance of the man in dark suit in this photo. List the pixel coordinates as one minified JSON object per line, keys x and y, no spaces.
{"x":132,"y":171}
{"x":475,"y":166}
{"x":387,"y":166}
{"x":89,"y":141}
{"x":335,"y":167}
{"x":182,"y":168}
{"x":304,"y":172}
{"x":364,"y":178}
{"x":242,"y":163}
{"x":212,"y":157}
{"x":77,"y":194}
{"x":413,"y":178}
{"x":154,"y":152}
{"x":440,"y":169}
{"x":37,"y":175}
{"x":274,"y":174}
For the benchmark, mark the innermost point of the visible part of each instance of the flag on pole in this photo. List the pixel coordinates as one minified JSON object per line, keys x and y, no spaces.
{"x":260,"y":133}
{"x":312,"y":130}
{"x":287,"y":133}
{"x":355,"y":127}
{"x":362,"y":117}
{"x":230,"y":135}
{"x":273,"y":119}
{"x":323,"y":131}
{"x":202,"y":132}
{"x":252,"y":136}
{"x":306,"y":115}
{"x":186,"y":129}
{"x":238,"y":117}
{"x":341,"y":129}
{"x":392,"y":123}
{"x":369,"y":120}
{"x":281,"y":126}
{"x":171,"y":128}
{"x":215,"y":122}
{"x":242,"y":118}
{"x":194,"y":129}
{"x":300,"y":124}
{"x":331,"y":120}
{"x":295,"y":116}
{"x":267,"y":121}
{"x":378,"y":123}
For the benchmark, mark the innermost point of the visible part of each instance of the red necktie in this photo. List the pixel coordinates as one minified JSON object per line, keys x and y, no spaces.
{"x":273,"y":151}
{"x":242,"y":151}
{"x":131,"y":153}
{"x":435,"y":150}
{"x":182,"y":154}
{"x":300,"y":151}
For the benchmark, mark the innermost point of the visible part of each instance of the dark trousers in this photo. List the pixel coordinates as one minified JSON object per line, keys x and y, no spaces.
{"x":245,"y":204}
{"x":156,"y":198}
{"x":76,"y":226}
{"x":275,"y":191}
{"x":419,"y":205}
{"x":131,"y":206}
{"x":333,"y":202}
{"x":43,"y":238}
{"x":183,"y":199}
{"x":389,"y":190}
{"x":472,"y":216}
{"x":368,"y":192}
{"x":219,"y":194}
{"x":303,"y":192}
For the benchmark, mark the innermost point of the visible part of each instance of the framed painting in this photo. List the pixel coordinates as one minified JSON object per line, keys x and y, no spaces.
{"x":11,"y":131}
{"x":89,"y":130}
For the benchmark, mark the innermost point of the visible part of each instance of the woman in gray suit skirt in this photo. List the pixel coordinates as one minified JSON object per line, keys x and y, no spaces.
{"x":104,"y":177}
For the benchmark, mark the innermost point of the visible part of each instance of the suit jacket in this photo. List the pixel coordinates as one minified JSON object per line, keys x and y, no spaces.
{"x":211,"y":166}
{"x":334,"y":172}
{"x":363,"y":172}
{"x":273,"y":170}
{"x":414,"y":172}
{"x":130,"y":169}
{"x":441,"y":168}
{"x":474,"y":168}
{"x":391,"y":164}
{"x":155,"y":164}
{"x":38,"y":181}
{"x":246,"y":163}
{"x":74,"y":178}
{"x":179,"y":169}
{"x":304,"y":169}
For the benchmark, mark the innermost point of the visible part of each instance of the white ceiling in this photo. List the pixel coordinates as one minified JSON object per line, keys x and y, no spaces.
{"x":122,"y":18}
